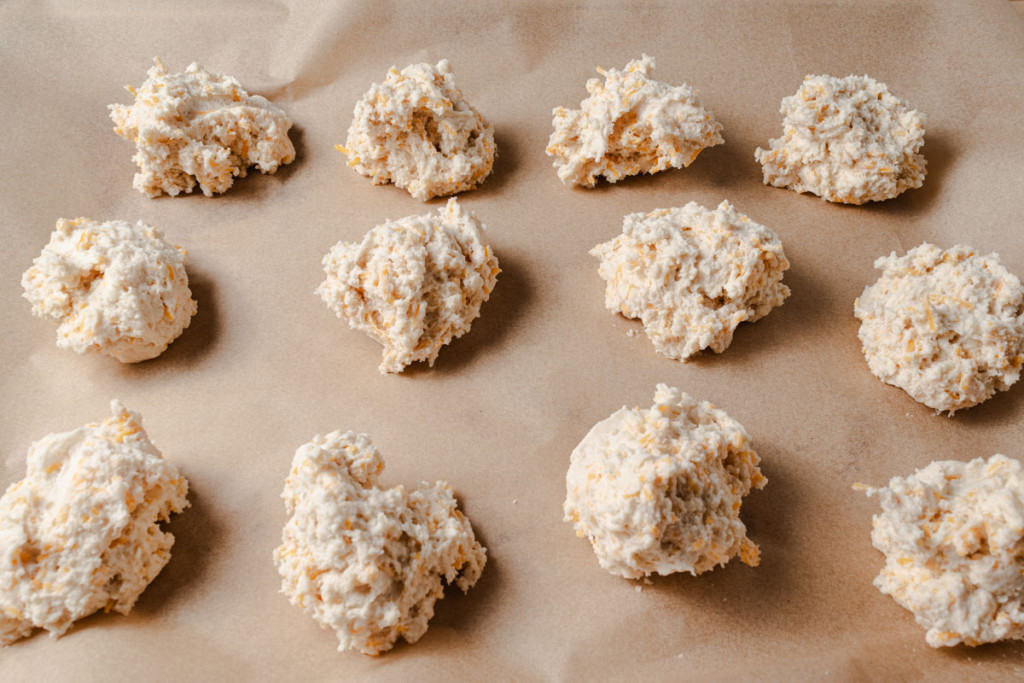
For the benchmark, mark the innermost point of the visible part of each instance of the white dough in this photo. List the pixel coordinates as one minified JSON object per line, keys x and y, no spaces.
{"x":112,"y":287}
{"x":368,"y":562}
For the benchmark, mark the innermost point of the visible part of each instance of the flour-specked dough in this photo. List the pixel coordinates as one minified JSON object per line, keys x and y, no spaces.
{"x":112,"y":287}
{"x":199,"y":126}
{"x":81,"y":531}
{"x":416,"y":130}
{"x":946,"y":326}
{"x":659,"y":490}
{"x":413,"y":284}
{"x":953,"y":538}
{"x":368,"y":562}
{"x":692,"y":275}
{"x":630,"y":124}
{"x":847,"y":140}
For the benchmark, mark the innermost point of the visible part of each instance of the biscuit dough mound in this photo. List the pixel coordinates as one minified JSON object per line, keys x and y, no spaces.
{"x":112,"y":287}
{"x":659,"y":490}
{"x":369,"y":562}
{"x":847,"y":140}
{"x":630,"y":124}
{"x":416,"y":130}
{"x":946,"y":326}
{"x":80,"y":532}
{"x":199,"y":126}
{"x":953,"y":538}
{"x":692,"y":275}
{"x":413,"y":284}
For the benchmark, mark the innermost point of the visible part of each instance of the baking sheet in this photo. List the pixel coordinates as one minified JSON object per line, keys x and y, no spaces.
{"x":265,"y":365}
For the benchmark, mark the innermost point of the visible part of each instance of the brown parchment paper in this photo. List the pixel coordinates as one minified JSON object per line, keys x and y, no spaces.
{"x":265,"y":365}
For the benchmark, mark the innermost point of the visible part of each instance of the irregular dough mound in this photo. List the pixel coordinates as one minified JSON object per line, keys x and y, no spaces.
{"x":413,"y":284}
{"x":947,"y":327}
{"x":112,"y":287}
{"x":416,"y":130}
{"x":692,"y":275}
{"x":199,"y":126}
{"x":365,"y":561}
{"x":80,"y":532}
{"x":660,"y":490}
{"x":953,"y":538}
{"x":847,"y":140}
{"x":630,"y":124}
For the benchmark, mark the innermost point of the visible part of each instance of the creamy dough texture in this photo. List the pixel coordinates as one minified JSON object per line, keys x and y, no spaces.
{"x":416,"y":130}
{"x":847,"y":140}
{"x":368,"y":562}
{"x":630,"y":124}
{"x":80,"y":532}
{"x":953,"y":538}
{"x":199,"y":126}
{"x":659,"y":490}
{"x":692,"y":275}
{"x":111,"y":287}
{"x":413,"y":284}
{"x":946,"y":326}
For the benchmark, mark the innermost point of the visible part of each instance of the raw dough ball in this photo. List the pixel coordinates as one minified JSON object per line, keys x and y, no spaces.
{"x":659,"y":490}
{"x":112,"y":287}
{"x":953,"y":538}
{"x":847,"y":140}
{"x":198,"y":126}
{"x":365,"y":561}
{"x":413,"y":284}
{"x":630,"y":124}
{"x":947,"y":327}
{"x":80,"y":532}
{"x":692,"y":275}
{"x":416,"y":130}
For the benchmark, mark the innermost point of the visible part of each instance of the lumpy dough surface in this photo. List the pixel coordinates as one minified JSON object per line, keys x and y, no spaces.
{"x":691,"y":275}
{"x":953,"y":538}
{"x":946,"y":326}
{"x":417,"y":131}
{"x":630,"y":124}
{"x":80,"y":532}
{"x":365,"y":561}
{"x":111,"y":287}
{"x":847,"y":140}
{"x":197,"y":126}
{"x":413,"y":284}
{"x":659,"y":490}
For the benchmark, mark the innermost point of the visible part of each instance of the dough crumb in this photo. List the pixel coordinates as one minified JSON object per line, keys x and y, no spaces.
{"x":81,"y":531}
{"x":659,"y":490}
{"x":199,"y":126}
{"x":847,"y":140}
{"x":630,"y":124}
{"x":368,"y":562}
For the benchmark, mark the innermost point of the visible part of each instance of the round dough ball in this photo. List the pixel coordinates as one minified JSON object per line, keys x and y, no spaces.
{"x":947,"y":326}
{"x":659,"y":490}
{"x":847,"y":140}
{"x":111,"y":287}
{"x":416,"y":130}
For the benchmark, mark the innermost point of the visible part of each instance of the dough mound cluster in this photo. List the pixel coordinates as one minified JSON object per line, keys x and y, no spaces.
{"x":416,"y":130}
{"x":659,"y":490}
{"x":953,"y":538}
{"x":630,"y":124}
{"x":112,"y":287}
{"x":413,"y":284}
{"x":691,"y":275}
{"x":946,"y":326}
{"x":80,"y":532}
{"x":198,"y":126}
{"x":847,"y":140}
{"x":365,"y":561}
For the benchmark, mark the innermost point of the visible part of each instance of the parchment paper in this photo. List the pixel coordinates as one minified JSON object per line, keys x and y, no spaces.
{"x":265,"y":365}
